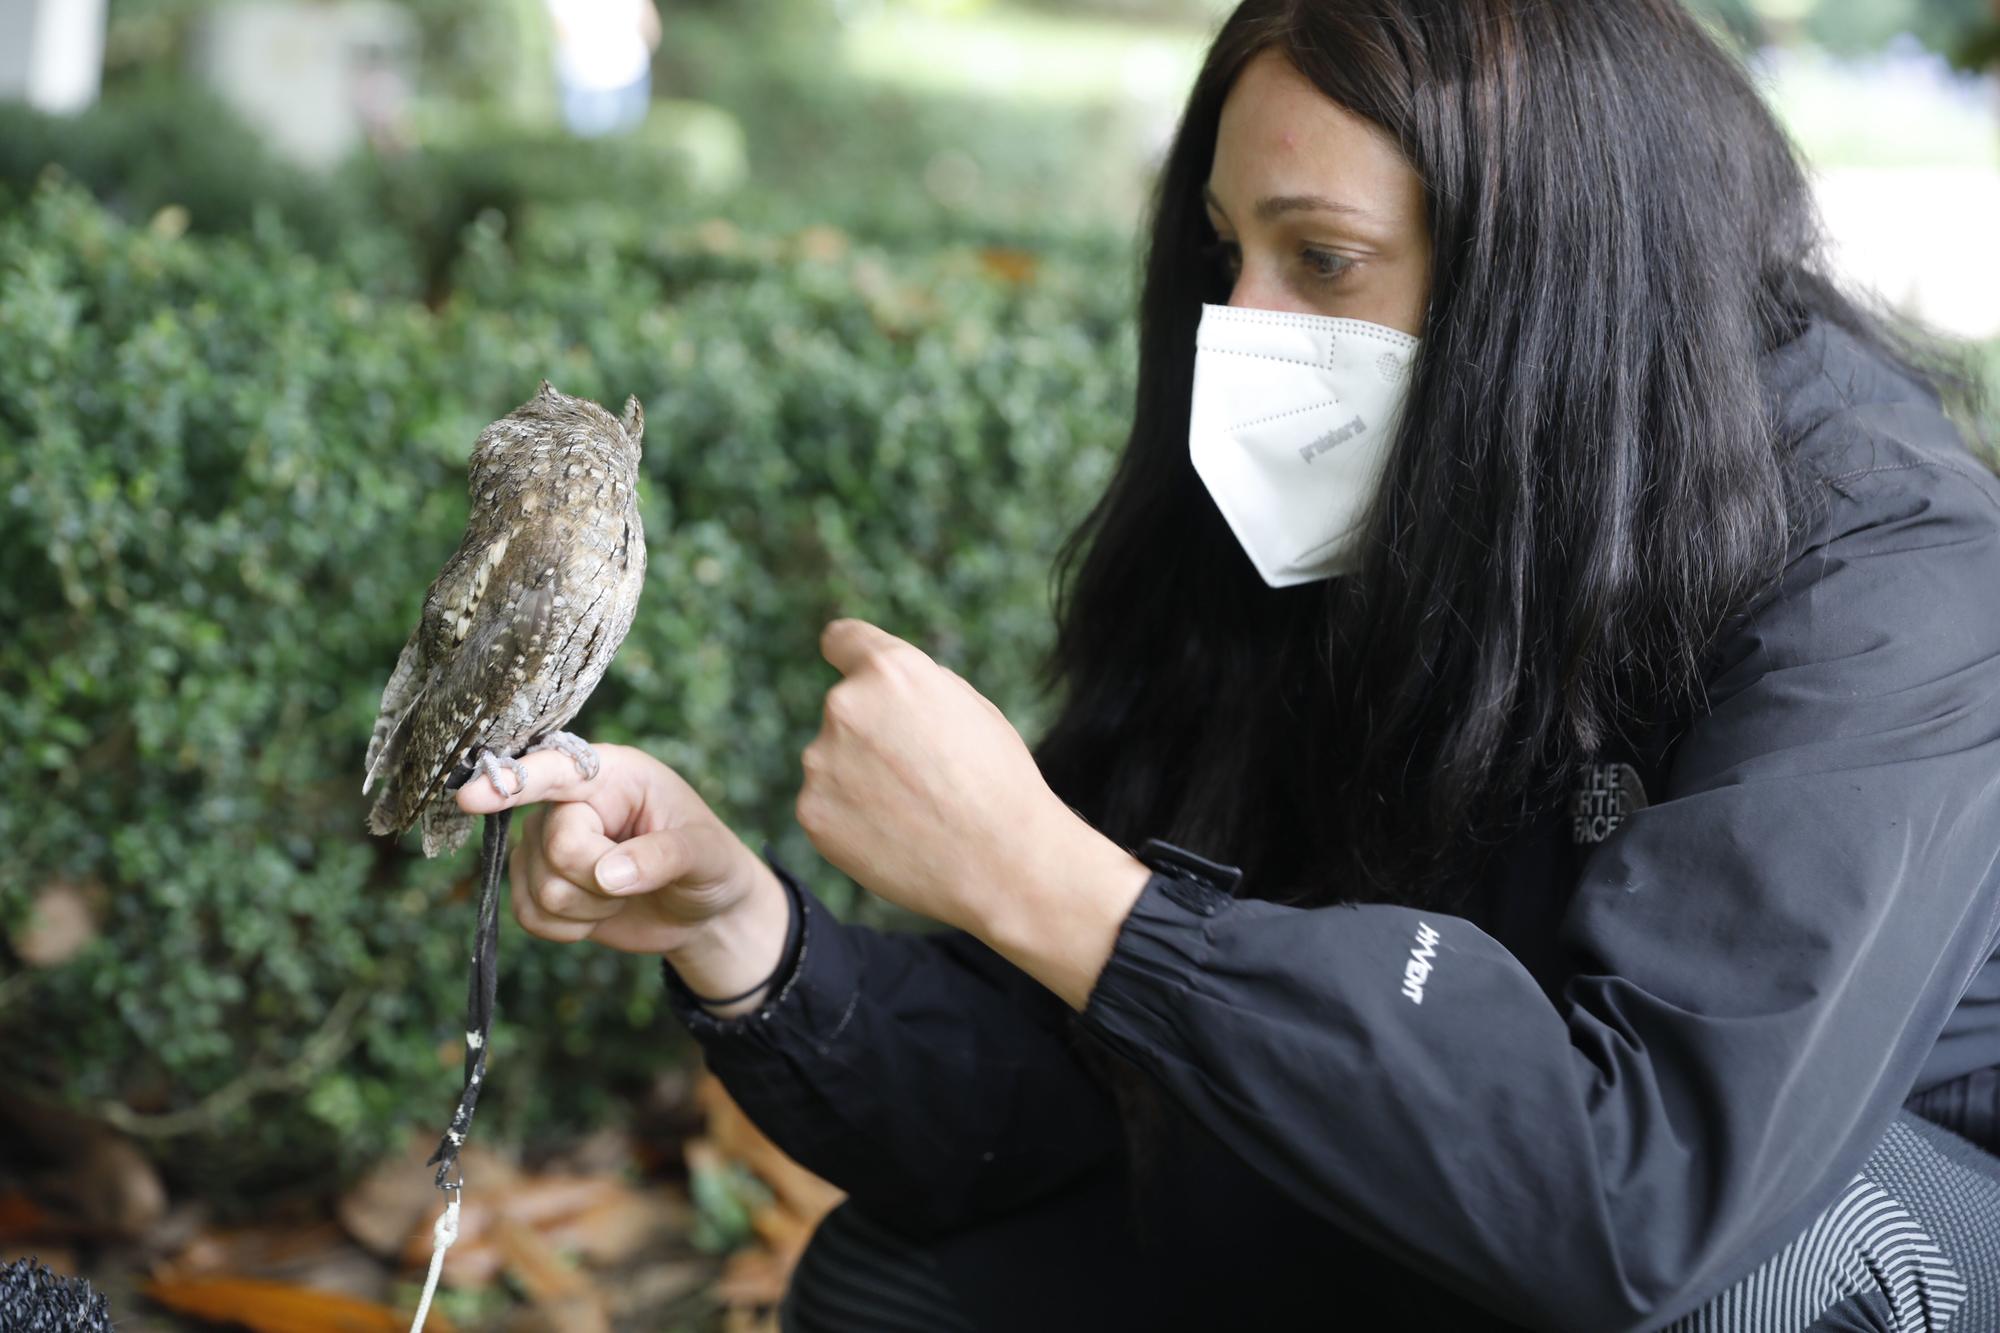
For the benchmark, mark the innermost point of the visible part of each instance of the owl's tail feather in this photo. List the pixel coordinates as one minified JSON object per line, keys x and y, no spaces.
{"x":479,"y":998}
{"x":445,"y":827}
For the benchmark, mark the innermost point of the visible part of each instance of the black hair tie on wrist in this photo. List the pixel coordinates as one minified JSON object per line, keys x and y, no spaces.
{"x":794,"y":922}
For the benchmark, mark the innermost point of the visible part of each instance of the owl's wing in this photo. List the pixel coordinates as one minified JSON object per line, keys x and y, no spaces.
{"x":398,"y":699}
{"x":479,"y":686}
{"x":456,"y":599}
{"x":448,"y":604}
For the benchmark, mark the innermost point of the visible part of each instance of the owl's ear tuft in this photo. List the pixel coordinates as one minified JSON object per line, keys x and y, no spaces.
{"x":547,"y":390}
{"x":635,"y":418}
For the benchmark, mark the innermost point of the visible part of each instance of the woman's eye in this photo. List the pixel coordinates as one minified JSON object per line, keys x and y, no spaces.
{"x":1324,"y":263}
{"x":1320,"y":265}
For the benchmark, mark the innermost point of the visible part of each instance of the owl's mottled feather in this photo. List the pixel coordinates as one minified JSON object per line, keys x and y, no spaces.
{"x":522,"y":621}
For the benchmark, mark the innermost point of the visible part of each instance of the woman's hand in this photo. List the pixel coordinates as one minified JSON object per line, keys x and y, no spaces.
{"x":923,"y":792}
{"x":631,"y":858}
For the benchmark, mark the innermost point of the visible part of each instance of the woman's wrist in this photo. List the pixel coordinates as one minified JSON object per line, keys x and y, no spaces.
{"x":739,"y":947}
{"x":1059,"y":919}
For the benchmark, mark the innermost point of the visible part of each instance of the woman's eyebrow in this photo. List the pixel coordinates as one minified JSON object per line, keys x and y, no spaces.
{"x":1277,"y":205}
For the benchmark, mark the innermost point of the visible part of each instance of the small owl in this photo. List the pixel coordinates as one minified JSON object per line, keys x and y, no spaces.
{"x":522,"y":621}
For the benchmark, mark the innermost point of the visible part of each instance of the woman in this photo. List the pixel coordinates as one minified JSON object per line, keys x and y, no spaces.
{"x":1539,"y":642}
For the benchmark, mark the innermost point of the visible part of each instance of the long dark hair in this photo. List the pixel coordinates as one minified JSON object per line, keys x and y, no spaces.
{"x":1586,"y":486}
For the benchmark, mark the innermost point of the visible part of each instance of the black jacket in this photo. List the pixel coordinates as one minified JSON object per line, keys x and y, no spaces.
{"x":1666,"y":1036}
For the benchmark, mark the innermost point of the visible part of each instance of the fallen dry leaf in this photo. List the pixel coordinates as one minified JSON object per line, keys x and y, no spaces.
{"x":254,"y":1249}
{"x":539,"y":1199}
{"x":602,"y":1152}
{"x":559,"y":1318}
{"x":565,"y":1299}
{"x":781,"y":1229}
{"x":88,"y":1178}
{"x":22,"y":1219}
{"x":111,"y":1185}
{"x":660,"y":1284}
{"x":601,"y":1219}
{"x":738,"y":1137}
{"x":61,"y":1262}
{"x":472,"y":1261}
{"x":620,"y":1226}
{"x":278,"y":1307}
{"x":315,"y":1255}
{"x":386,"y":1207}
{"x":538,"y":1268}
{"x":752,"y":1276}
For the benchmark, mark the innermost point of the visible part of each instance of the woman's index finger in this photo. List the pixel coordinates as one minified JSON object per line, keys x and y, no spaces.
{"x":551,"y":776}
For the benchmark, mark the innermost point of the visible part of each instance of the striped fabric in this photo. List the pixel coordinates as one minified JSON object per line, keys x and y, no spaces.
{"x":856,"y":1275}
{"x":1911,"y":1246}
{"x":1866,"y":1242}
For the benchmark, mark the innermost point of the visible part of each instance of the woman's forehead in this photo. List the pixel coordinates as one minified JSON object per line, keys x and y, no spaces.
{"x":1281,"y":138}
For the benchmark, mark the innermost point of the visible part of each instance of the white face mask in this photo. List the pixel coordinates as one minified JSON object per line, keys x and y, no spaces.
{"x":1292,"y":420}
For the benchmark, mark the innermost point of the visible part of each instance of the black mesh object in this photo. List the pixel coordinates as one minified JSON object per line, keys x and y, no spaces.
{"x":35,"y":1300}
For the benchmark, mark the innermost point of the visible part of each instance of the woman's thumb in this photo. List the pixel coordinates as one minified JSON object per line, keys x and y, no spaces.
{"x":694,"y":854}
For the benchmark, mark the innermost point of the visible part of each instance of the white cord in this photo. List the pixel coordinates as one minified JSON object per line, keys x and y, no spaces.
{"x":442,"y":1236}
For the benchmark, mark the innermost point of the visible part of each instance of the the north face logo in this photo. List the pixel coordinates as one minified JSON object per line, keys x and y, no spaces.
{"x":1605,"y":793}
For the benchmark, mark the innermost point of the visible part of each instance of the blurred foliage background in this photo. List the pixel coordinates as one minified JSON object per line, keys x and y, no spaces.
{"x":869,"y":264}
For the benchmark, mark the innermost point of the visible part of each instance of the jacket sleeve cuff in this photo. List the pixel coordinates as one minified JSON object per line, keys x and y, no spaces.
{"x":1159,"y":955}
{"x":810,"y":998}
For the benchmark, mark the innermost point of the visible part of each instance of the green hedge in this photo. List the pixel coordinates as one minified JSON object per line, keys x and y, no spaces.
{"x":392,"y":221}
{"x":166,"y":143}
{"x":228,"y":470}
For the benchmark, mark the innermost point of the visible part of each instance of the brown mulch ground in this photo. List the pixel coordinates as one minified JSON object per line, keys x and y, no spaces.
{"x":602,"y":1239}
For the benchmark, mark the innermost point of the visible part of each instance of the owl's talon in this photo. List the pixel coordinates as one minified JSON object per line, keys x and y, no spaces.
{"x":576,"y":747}
{"x":493,"y":765}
